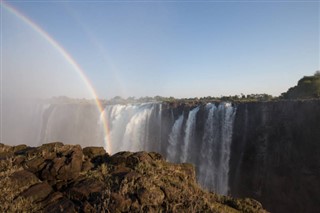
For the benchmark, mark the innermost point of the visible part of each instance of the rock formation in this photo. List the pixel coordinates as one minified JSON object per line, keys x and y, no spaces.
{"x":66,"y":178}
{"x":275,"y":155}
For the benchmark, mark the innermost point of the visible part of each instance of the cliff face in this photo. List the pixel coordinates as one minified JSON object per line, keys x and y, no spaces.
{"x":275,"y":155}
{"x":266,"y":150}
{"x":66,"y":178}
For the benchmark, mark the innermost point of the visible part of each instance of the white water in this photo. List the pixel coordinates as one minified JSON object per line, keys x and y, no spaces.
{"x":189,"y":133}
{"x":174,"y":139}
{"x":129,"y":126}
{"x":206,"y":175}
{"x":138,"y":127}
{"x":215,"y":150}
{"x":145,"y":127}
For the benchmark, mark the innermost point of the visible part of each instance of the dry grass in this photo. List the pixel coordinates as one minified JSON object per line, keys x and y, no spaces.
{"x":10,"y":190}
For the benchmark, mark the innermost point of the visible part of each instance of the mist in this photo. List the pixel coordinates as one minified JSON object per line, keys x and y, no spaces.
{"x":32,"y":70}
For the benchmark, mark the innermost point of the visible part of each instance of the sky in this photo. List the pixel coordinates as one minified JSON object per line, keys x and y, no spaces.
{"x":166,"y":48}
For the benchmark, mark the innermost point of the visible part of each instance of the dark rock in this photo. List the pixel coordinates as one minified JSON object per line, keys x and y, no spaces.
{"x":73,"y":164}
{"x":275,"y":155}
{"x":124,"y":182}
{"x":66,"y":166}
{"x":119,"y":158}
{"x":86,"y":166}
{"x":92,"y":152}
{"x":87,"y":207}
{"x":118,"y":203}
{"x":37,"y":192}
{"x":53,"y":197}
{"x":86,"y":190}
{"x":36,"y":164}
{"x":61,"y":205}
{"x":121,"y":171}
{"x":19,"y":160}
{"x":27,"y":152}
{"x":24,"y":178}
{"x":100,"y":159}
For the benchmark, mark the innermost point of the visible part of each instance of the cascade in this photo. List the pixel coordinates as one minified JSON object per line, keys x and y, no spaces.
{"x":130,"y":126}
{"x":174,"y":139}
{"x":179,"y":134}
{"x":245,"y":151}
{"x":189,"y":134}
{"x":206,"y":175}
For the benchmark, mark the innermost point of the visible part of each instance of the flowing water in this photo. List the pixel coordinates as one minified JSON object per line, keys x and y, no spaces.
{"x":139,"y":127}
{"x":201,"y":135}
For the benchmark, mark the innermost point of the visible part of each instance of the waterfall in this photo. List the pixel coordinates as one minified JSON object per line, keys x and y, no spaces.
{"x":215,"y":150}
{"x":136,"y":133}
{"x":201,"y":136}
{"x":174,"y":139}
{"x":130,"y":126}
{"x":189,"y":133}
{"x":206,"y":175}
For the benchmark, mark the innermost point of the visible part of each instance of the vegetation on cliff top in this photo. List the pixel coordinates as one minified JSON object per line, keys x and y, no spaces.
{"x":308,"y":87}
{"x":65,"y":178}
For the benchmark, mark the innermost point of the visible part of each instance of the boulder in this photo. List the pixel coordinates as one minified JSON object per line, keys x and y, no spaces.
{"x":37,"y":192}
{"x":92,"y":152}
{"x":86,"y":189}
{"x":61,"y":205}
{"x":24,"y":178}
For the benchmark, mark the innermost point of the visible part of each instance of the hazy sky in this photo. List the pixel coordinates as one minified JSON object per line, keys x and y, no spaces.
{"x":167,"y":48}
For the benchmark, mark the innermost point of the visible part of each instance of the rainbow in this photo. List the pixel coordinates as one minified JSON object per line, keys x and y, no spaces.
{"x":71,"y":61}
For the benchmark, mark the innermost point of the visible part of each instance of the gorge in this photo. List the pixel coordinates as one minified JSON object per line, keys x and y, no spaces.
{"x":265,"y":150}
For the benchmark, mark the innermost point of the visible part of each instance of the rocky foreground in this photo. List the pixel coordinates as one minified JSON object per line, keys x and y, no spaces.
{"x":66,"y":178}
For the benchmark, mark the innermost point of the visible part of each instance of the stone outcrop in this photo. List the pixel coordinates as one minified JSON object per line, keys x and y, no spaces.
{"x":66,"y":178}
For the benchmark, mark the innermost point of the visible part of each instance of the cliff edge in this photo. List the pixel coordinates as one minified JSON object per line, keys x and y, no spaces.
{"x":275,"y":155}
{"x":66,"y":178}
